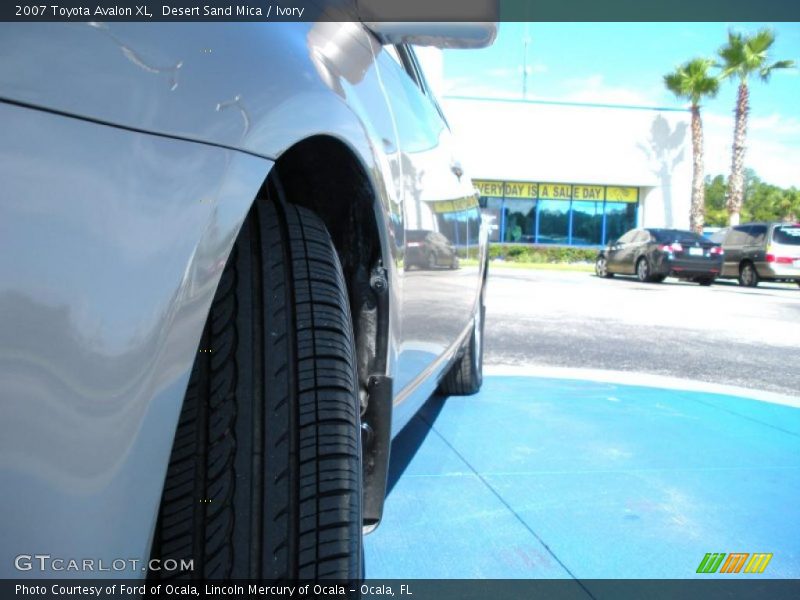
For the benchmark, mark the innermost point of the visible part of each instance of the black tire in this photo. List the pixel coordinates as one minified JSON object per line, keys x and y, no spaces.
{"x":264,"y":480}
{"x":748,"y":276}
{"x":705,"y":281}
{"x":643,"y":270}
{"x":601,"y":267}
{"x":658,"y":278}
{"x":465,"y":377}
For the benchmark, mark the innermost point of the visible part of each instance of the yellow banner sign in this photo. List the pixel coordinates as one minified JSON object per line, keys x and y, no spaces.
{"x":587,"y":192}
{"x":622,"y":194}
{"x":555,"y":191}
{"x":489,"y":188}
{"x":521,"y":189}
{"x":509,"y":189}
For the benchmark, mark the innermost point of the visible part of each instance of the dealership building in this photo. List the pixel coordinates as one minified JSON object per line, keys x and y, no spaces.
{"x":574,"y":174}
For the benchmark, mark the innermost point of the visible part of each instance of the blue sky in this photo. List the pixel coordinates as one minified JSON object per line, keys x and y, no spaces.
{"x":623,"y":63}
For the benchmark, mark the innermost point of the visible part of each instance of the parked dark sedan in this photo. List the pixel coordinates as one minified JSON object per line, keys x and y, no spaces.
{"x":654,"y":254}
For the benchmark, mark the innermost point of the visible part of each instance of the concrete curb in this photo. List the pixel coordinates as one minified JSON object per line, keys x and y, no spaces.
{"x":639,"y":379}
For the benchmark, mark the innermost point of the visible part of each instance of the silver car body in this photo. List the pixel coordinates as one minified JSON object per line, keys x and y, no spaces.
{"x":129,"y":157}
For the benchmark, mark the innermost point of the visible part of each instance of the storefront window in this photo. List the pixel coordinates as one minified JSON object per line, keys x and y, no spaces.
{"x":553,"y":222}
{"x":519,"y":220}
{"x":620,"y":217}
{"x":564,"y":214}
{"x":587,"y":223}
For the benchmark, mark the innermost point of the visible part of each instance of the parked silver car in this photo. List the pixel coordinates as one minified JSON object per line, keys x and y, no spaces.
{"x":207,"y":336}
{"x":757,"y":252}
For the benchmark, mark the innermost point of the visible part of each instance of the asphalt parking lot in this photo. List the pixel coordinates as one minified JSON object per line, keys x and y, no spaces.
{"x":723,"y":334}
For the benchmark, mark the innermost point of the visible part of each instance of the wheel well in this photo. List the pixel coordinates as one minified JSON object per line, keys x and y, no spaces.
{"x":323,"y":174}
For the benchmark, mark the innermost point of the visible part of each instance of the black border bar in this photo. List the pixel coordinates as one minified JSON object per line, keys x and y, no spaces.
{"x":401,"y":10}
{"x":716,"y":588}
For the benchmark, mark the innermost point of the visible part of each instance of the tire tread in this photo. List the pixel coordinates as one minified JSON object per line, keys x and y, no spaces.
{"x":269,"y":428}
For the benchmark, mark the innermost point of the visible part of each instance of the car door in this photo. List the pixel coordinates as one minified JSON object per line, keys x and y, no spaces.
{"x":612,"y":254}
{"x":754,"y":247}
{"x":634,"y":250}
{"x":619,"y":253}
{"x":437,"y":304}
{"x":642,"y":243}
{"x":734,"y":249}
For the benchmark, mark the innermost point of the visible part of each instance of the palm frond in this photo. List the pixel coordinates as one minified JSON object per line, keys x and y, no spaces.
{"x":732,"y":53}
{"x":692,"y":80}
{"x":673,"y":82}
{"x":744,"y":55}
{"x":766,"y":71}
{"x":761,"y":42}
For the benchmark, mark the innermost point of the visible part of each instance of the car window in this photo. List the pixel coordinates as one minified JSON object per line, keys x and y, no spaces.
{"x":418,"y":74}
{"x":787,"y":234}
{"x":418,"y":124}
{"x":410,"y":65}
{"x":628,"y":237}
{"x":757,"y":234}
{"x":719,"y":236}
{"x":662,"y":235}
{"x":738,"y":236}
{"x":642,"y":237}
{"x":677,"y":235}
{"x":690,"y":236}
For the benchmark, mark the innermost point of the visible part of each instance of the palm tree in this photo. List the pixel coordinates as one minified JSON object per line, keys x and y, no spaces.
{"x":692,"y":81}
{"x":741,"y":57}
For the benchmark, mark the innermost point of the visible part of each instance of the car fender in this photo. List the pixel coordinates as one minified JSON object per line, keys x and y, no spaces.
{"x":200,"y":117}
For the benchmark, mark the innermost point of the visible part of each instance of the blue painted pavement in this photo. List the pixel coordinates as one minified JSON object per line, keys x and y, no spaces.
{"x":556,"y":478}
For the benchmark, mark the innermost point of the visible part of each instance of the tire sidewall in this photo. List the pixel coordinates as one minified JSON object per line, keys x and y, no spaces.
{"x":601,"y":271}
{"x":643,"y":269}
{"x":748,"y":277}
{"x":478,"y":343}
